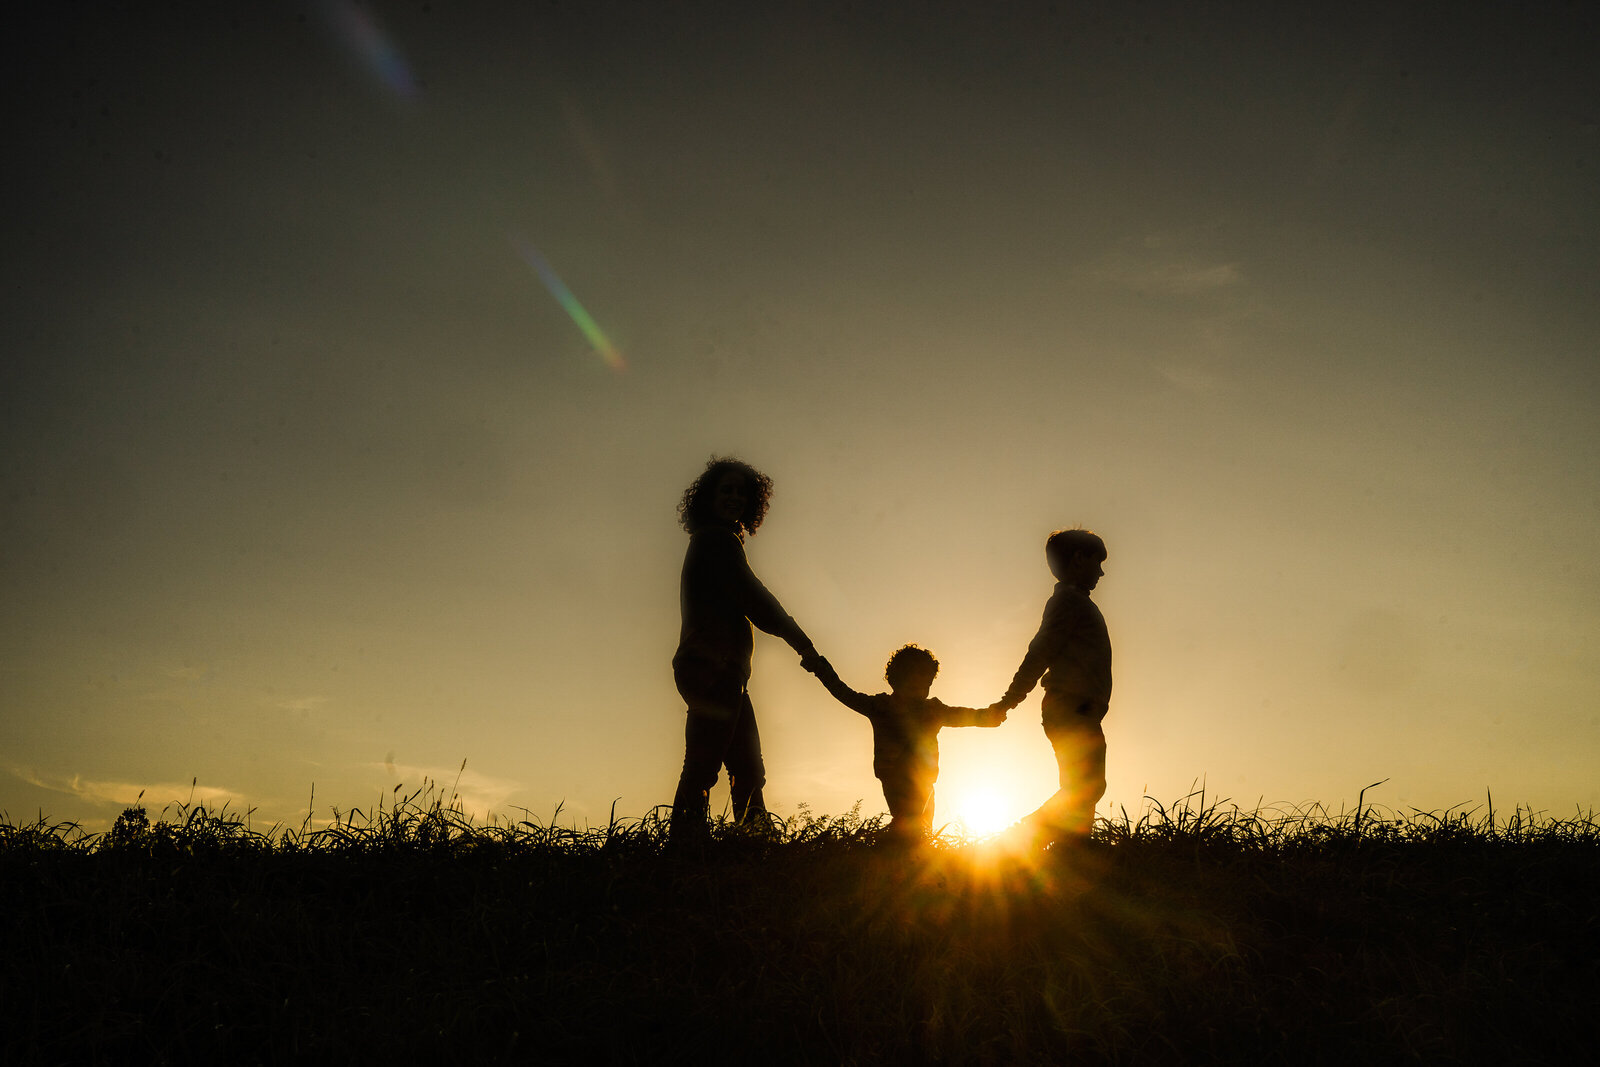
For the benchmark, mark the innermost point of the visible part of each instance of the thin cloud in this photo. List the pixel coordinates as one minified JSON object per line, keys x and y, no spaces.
{"x":1189,"y":379}
{"x":1173,"y":277}
{"x":188,"y":674}
{"x":479,"y":795}
{"x":177,"y":684}
{"x":1160,"y":264}
{"x":127,"y":794}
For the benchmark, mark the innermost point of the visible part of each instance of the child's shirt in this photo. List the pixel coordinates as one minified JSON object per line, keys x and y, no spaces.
{"x":1072,"y":650}
{"x":905,"y":732}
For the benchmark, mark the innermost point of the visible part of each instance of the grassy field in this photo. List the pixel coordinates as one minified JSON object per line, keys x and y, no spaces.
{"x":1200,"y":934}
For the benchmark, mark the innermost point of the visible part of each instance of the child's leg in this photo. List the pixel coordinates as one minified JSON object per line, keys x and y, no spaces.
{"x":908,"y":804}
{"x":1080,"y":747}
{"x":925,"y":815}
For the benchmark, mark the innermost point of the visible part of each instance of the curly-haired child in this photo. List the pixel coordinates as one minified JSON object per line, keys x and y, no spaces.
{"x":905,"y":733}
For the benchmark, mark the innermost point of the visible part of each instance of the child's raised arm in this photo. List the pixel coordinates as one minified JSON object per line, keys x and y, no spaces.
{"x":858,"y":702}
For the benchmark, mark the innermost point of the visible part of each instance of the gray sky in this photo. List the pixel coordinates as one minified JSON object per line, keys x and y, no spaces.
{"x":309,"y":477}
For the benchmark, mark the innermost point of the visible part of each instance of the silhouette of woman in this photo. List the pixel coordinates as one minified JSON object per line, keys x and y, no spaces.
{"x":721,"y":597}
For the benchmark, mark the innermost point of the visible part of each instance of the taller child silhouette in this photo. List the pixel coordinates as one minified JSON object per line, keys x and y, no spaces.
{"x":1072,"y":651}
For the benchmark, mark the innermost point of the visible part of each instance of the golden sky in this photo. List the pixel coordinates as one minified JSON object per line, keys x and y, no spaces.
{"x":315,"y":475}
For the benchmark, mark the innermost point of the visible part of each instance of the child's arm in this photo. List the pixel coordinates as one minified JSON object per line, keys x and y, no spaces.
{"x":858,"y":702}
{"x":993,"y":715}
{"x":1037,"y":660}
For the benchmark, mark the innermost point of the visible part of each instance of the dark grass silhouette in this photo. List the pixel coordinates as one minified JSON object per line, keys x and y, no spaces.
{"x":1198,"y":933}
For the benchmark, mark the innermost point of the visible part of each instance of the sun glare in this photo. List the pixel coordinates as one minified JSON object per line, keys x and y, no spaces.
{"x":981,"y":811}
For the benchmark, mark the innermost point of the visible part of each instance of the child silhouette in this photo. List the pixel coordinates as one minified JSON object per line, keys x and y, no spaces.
{"x":905,"y":733}
{"x":1072,"y":652}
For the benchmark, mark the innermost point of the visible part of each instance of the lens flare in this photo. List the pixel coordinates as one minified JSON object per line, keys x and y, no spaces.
{"x":569,"y":303}
{"x":593,"y":154}
{"x":982,"y":811}
{"x":359,"y":31}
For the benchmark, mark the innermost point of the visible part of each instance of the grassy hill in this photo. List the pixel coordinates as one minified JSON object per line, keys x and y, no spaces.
{"x":1201,"y":934}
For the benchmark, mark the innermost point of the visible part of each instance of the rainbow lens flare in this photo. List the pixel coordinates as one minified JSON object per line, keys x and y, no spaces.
{"x":569,"y":303}
{"x":359,"y":31}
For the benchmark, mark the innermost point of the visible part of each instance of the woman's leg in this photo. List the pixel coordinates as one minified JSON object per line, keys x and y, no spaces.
{"x":747,"y":773}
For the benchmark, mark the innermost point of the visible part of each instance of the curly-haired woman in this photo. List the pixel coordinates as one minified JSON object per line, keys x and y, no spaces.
{"x":721,"y":597}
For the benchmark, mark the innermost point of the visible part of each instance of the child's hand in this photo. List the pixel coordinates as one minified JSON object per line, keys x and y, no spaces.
{"x":814,"y":662}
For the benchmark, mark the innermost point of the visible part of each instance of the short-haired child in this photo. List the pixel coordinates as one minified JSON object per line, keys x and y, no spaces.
{"x":1072,"y":652}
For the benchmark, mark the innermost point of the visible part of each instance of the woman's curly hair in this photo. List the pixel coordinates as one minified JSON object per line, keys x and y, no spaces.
{"x":695,"y":509}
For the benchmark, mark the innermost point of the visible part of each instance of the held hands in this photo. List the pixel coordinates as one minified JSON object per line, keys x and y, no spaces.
{"x":811,"y":660}
{"x":823,"y":670}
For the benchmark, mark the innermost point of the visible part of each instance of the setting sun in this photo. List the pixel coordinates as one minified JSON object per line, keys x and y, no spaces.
{"x":981,"y":811}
